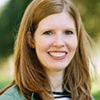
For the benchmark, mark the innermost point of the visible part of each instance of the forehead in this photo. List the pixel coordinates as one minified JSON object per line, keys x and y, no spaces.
{"x":60,"y":20}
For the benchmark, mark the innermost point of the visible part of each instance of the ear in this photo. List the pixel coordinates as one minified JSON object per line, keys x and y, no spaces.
{"x":30,"y":40}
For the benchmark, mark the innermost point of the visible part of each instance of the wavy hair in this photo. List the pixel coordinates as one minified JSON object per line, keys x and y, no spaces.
{"x":29,"y":74}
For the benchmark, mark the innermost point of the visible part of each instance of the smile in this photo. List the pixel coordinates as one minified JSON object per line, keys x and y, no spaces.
{"x":58,"y":55}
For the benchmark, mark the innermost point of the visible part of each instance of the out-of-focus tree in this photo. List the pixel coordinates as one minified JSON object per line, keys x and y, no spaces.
{"x":90,"y":12}
{"x":10,"y":18}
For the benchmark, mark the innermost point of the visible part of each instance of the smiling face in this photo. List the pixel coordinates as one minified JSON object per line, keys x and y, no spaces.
{"x":56,"y":41}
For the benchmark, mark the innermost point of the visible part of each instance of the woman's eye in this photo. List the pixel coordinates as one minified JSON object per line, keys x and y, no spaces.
{"x":47,"y":33}
{"x":69,"y":32}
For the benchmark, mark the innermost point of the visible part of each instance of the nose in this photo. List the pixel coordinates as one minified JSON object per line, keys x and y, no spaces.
{"x":59,"y":41}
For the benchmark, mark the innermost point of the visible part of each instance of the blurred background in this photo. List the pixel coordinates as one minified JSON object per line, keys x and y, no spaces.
{"x":11,"y":12}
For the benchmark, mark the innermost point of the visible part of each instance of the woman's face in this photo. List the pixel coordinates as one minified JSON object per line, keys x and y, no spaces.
{"x":56,"y":41}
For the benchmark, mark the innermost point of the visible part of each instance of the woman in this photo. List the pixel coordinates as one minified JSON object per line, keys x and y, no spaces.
{"x":51,"y":54}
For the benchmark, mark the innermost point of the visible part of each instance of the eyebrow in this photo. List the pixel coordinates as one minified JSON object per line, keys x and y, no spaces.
{"x":45,"y":29}
{"x":72,"y":29}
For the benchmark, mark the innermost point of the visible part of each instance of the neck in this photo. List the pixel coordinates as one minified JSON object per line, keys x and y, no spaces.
{"x":56,"y":79}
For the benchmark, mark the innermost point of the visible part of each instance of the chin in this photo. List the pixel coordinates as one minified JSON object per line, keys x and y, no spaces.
{"x":58,"y":68}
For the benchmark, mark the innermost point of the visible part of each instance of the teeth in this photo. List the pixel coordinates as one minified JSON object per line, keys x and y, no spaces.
{"x":57,"y":54}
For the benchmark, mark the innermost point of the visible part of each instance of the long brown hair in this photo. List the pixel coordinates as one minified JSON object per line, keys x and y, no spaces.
{"x":29,"y":74}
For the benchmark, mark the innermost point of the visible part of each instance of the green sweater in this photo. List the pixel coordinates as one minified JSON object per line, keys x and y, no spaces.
{"x":14,"y":94}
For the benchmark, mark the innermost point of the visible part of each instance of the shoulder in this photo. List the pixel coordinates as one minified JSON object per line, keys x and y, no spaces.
{"x":12,"y":94}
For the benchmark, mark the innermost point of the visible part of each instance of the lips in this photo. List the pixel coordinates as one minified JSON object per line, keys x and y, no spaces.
{"x":58,"y":55}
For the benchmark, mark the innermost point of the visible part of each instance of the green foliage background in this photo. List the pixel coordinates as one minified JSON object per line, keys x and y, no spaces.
{"x":90,"y":11}
{"x":10,"y":17}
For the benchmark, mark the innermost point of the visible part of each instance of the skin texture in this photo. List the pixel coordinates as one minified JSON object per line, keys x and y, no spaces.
{"x":56,"y":34}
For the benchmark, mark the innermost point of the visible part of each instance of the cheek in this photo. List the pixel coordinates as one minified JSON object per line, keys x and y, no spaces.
{"x":42,"y":44}
{"x":75,"y":44}
{"x":72,"y":44}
